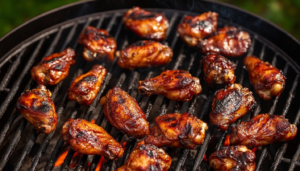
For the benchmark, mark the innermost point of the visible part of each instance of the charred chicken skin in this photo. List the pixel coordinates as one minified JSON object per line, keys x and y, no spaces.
{"x":230,"y":104}
{"x":266,"y":79}
{"x":263,"y":129}
{"x":228,"y":41}
{"x":198,"y":27}
{"x":124,"y":113}
{"x":177,"y":85}
{"x":85,"y":87}
{"x":38,"y":108}
{"x":54,"y":68}
{"x":87,"y":138}
{"x":218,"y":69}
{"x":144,"y":53}
{"x":146,"y":24}
{"x":232,"y":158}
{"x":147,"y":157}
{"x":177,"y":130}
{"x":98,"y":44}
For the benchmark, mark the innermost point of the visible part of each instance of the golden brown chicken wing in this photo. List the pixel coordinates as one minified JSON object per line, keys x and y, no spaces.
{"x":54,"y":68}
{"x":263,"y":129}
{"x":146,"y":24}
{"x":266,"y":79}
{"x":218,"y":69}
{"x":147,"y":157}
{"x":177,"y":85}
{"x":38,"y":108}
{"x":98,"y":44}
{"x":177,"y":130}
{"x":124,"y":113}
{"x":87,"y":138}
{"x":144,"y":53}
{"x":230,"y":104}
{"x":85,"y":87}
{"x":198,"y":27}
{"x":228,"y":41}
{"x":232,"y":158}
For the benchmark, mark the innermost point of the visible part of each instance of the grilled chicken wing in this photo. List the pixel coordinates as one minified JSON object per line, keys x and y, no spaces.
{"x":146,"y":24}
{"x":177,"y":130}
{"x":176,"y":85}
{"x":98,"y":44}
{"x":54,"y":68}
{"x":198,"y":27}
{"x":147,"y":158}
{"x":38,"y":108}
{"x":144,"y":53}
{"x":124,"y":113}
{"x":87,"y":138}
{"x":263,"y":129}
{"x":218,"y":69}
{"x":228,"y":41}
{"x":266,"y":79}
{"x":233,"y":158}
{"x":230,"y":104}
{"x":85,"y":87}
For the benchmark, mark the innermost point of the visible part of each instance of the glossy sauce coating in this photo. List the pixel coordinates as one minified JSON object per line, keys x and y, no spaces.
{"x":87,"y":138}
{"x":38,"y":108}
{"x":85,"y":87}
{"x":177,"y":85}
{"x":54,"y":68}
{"x":124,"y":113}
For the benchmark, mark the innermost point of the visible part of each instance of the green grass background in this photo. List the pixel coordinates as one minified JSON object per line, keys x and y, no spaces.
{"x":284,"y":13}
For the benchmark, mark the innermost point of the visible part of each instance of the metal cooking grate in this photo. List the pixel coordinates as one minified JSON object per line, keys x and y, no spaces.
{"x":22,"y":148}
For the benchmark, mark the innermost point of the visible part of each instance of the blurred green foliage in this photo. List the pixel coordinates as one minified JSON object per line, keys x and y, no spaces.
{"x":284,"y":13}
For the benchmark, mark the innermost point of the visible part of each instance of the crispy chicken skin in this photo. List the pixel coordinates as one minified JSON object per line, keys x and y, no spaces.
{"x":85,"y":87}
{"x":54,"y":68}
{"x":124,"y":113}
{"x":218,"y":69}
{"x":177,"y":85}
{"x":147,"y":157}
{"x":146,"y":24}
{"x":228,"y":41}
{"x":232,"y":158}
{"x":144,"y":53}
{"x":87,"y":138}
{"x":198,"y":27}
{"x":262,"y":129}
{"x":38,"y":108}
{"x":230,"y":104}
{"x":98,"y":44}
{"x":266,"y":79}
{"x":177,"y":130}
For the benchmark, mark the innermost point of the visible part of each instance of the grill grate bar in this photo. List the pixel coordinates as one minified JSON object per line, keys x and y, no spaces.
{"x":295,"y":159}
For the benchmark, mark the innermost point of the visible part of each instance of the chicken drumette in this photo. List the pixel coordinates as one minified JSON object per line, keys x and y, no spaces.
{"x":198,"y":27}
{"x":144,"y":53}
{"x":87,"y":138}
{"x":98,"y":44}
{"x":54,"y":68}
{"x":228,"y":41}
{"x":218,"y":69}
{"x":86,"y":86}
{"x":233,"y":158}
{"x":124,"y":113}
{"x":262,"y":129}
{"x":146,"y":24}
{"x":38,"y":108}
{"x":147,"y":157}
{"x":177,"y":85}
{"x":230,"y":104}
{"x":266,"y":79}
{"x":177,"y":130}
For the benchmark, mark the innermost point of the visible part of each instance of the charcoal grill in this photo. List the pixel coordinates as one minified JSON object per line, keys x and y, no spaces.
{"x":21,"y":148}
